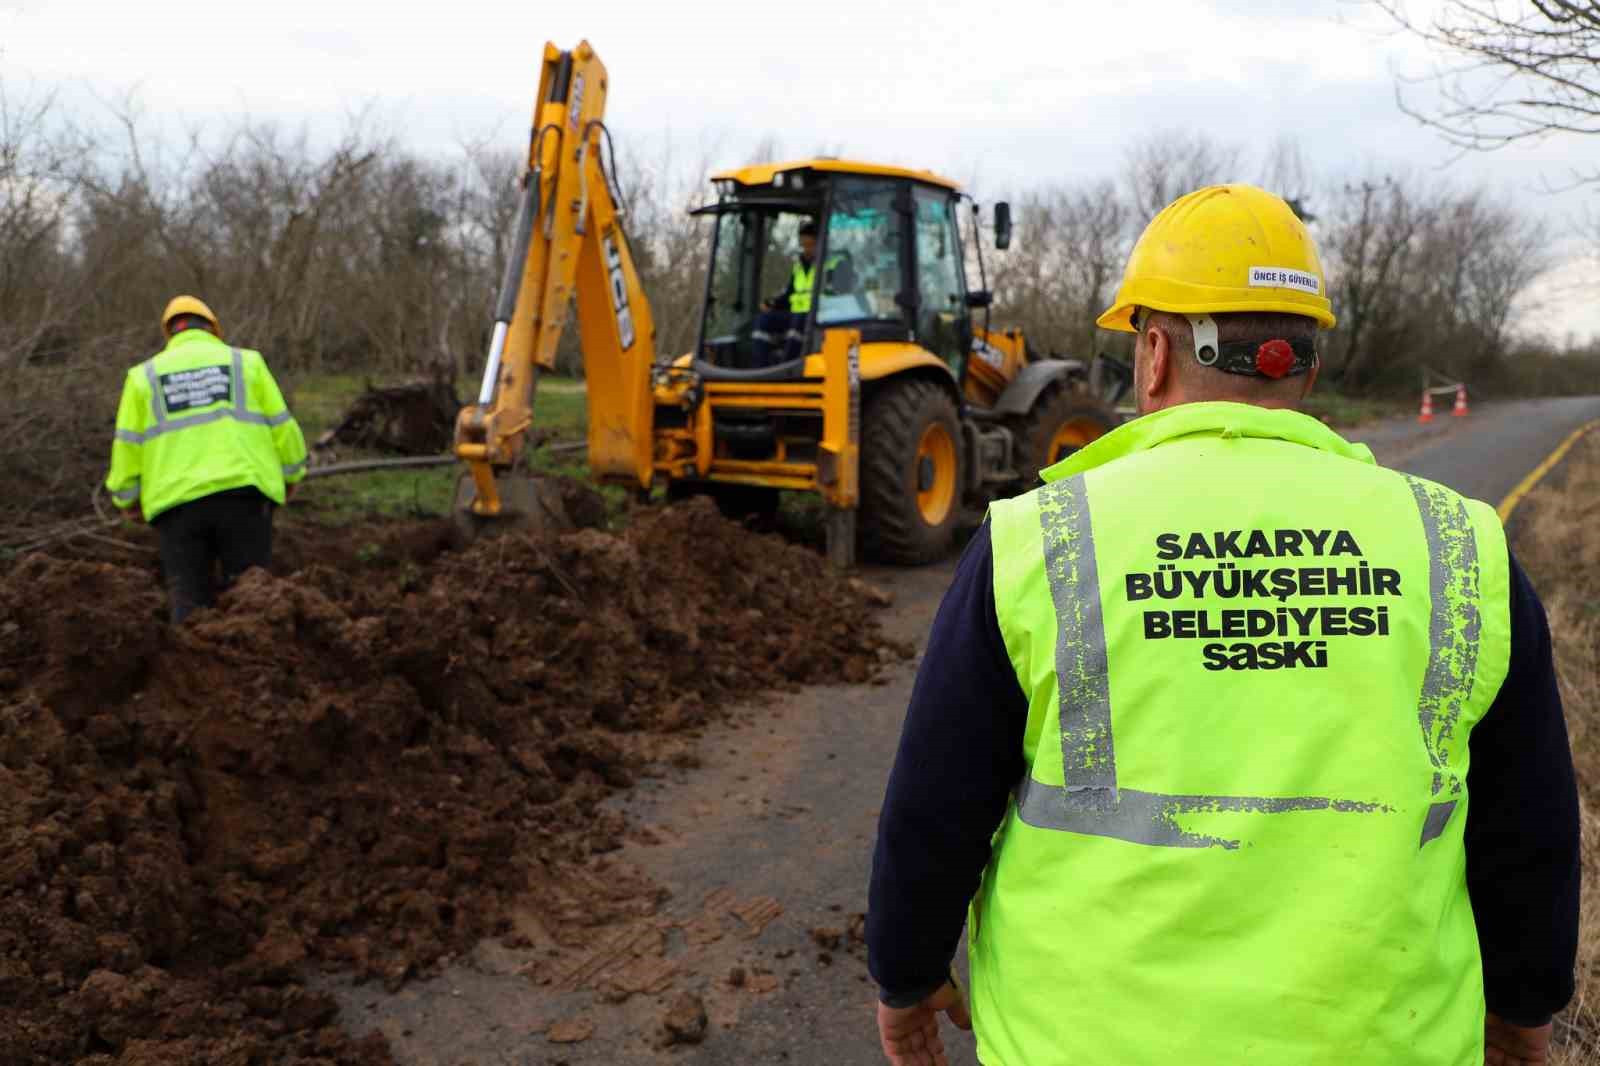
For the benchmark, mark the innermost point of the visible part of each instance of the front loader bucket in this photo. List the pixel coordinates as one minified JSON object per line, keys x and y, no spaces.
{"x":528,"y":503}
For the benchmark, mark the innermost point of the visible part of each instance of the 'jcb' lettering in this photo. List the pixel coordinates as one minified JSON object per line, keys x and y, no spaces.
{"x":619,"y":292}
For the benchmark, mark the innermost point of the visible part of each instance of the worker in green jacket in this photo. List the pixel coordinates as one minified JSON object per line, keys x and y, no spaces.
{"x":204,"y":449}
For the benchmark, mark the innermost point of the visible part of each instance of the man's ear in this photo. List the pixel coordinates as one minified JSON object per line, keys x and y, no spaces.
{"x":1160,"y":379}
{"x":1311,"y":379}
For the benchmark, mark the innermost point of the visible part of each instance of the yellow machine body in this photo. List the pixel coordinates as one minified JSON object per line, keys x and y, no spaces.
{"x":885,"y":397}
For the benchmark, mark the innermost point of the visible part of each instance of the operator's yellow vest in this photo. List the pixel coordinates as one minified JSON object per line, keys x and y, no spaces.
{"x":801,"y":281}
{"x":1252,"y":659}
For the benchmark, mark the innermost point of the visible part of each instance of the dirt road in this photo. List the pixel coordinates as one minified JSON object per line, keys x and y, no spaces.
{"x":765,"y":849}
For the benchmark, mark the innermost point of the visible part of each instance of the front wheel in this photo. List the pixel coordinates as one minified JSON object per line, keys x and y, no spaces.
{"x":910,"y":472}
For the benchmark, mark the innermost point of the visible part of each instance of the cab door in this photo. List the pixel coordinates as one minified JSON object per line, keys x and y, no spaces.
{"x":943,"y":322}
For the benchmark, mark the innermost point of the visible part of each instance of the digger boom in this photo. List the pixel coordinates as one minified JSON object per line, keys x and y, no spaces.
{"x":569,"y":248}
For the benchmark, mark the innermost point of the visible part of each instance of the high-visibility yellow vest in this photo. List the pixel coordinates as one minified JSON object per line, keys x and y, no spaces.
{"x":199,"y":418}
{"x":801,"y":281}
{"x":1252,"y":659}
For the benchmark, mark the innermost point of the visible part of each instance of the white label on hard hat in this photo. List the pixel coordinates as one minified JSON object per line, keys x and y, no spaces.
{"x":1285,"y":278}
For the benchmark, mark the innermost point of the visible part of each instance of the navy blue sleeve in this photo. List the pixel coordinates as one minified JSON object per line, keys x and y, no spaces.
{"x":1522,"y":829}
{"x":960,"y":756}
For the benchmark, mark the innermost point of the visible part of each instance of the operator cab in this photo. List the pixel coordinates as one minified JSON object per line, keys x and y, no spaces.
{"x":888,"y":262}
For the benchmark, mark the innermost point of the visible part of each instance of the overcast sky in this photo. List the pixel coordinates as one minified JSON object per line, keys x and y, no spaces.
{"x":1008,"y":94}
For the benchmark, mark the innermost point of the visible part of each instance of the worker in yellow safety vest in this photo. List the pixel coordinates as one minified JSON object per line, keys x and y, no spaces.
{"x":204,"y":449}
{"x":1229,"y":745}
{"x":779,"y":331}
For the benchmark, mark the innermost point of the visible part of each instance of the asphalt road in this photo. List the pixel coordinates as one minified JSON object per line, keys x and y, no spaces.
{"x":770,"y":839}
{"x":1485,"y":454}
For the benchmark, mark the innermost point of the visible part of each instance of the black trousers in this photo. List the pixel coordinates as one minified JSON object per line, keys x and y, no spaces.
{"x":233,"y":528}
{"x":777,"y":337}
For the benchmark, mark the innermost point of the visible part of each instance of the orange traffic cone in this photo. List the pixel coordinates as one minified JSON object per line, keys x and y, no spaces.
{"x":1427,"y":407}
{"x":1461,"y":401}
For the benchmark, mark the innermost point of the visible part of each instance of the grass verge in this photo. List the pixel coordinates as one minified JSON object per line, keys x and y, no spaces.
{"x":1342,"y":412}
{"x":1555,"y":532}
{"x":560,"y":409}
{"x":560,"y":405}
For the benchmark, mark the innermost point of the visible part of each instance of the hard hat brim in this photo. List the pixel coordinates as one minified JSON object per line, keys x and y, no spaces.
{"x":1119,"y":317}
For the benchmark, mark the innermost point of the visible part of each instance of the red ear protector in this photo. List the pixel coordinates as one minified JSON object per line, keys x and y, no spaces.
{"x":1274,"y":359}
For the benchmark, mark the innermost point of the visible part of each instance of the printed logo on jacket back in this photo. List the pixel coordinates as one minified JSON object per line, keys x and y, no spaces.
{"x":184,"y":390}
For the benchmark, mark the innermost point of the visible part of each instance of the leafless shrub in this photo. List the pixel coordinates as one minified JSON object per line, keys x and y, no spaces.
{"x":1070,"y":246}
{"x":1419,"y":275}
{"x":356,"y":255}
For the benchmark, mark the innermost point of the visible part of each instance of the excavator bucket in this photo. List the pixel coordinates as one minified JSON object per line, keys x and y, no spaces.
{"x":526,"y":503}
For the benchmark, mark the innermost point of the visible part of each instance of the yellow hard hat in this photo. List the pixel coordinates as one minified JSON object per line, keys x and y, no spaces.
{"x":1219,"y":249}
{"x":188,"y":305}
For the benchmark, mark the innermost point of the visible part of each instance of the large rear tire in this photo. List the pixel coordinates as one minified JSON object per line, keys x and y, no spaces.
{"x":1060,"y":422}
{"x":910,"y":473}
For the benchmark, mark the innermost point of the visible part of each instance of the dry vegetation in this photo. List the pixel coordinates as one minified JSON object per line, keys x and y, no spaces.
{"x":1421,"y":273}
{"x":361,"y":256}
{"x":356,"y":257}
{"x":1556,"y":534}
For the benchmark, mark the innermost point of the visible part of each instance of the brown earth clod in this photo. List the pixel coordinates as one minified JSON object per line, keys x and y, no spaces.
{"x":358,"y":767}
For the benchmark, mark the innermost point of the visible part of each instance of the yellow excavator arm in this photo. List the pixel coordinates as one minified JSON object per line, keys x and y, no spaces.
{"x":568,"y":247}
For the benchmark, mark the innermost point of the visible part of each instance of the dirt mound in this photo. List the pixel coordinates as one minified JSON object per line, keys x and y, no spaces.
{"x":349,"y":768}
{"x":409,"y":418}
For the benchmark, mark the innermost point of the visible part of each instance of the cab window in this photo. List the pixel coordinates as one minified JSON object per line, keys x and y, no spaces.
{"x":756,"y":250}
{"x":941,"y":310}
{"x":863,"y":271}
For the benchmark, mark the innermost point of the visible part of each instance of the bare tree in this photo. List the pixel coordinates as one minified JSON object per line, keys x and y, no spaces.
{"x":38,"y":161}
{"x":1369,"y":244}
{"x":1068,"y":253}
{"x":1425,"y":276}
{"x":1286,"y":171}
{"x":1165,"y":165}
{"x":1517,"y":71}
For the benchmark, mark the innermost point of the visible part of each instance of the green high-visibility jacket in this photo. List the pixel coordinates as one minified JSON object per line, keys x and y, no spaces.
{"x":198,"y":418}
{"x":1253,"y":660}
{"x":803,"y":281}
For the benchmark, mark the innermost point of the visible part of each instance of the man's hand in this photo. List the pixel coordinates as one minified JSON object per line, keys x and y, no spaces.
{"x":1505,"y":1044}
{"x":134,"y":514}
{"x":289,"y":490}
{"x":910,"y":1035}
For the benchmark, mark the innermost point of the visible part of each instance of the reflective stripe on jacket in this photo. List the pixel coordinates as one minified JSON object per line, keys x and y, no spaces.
{"x":198,"y":418}
{"x":1253,"y":659}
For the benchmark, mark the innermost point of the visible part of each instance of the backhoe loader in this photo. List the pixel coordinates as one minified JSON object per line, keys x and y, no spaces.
{"x":884,"y":396}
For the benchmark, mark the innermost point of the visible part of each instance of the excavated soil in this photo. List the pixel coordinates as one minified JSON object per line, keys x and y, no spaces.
{"x":359,"y":766}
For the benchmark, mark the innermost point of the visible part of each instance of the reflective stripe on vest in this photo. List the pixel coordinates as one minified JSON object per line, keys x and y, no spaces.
{"x":239,"y":411}
{"x":1093,"y":804}
{"x":1241,"y":822}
